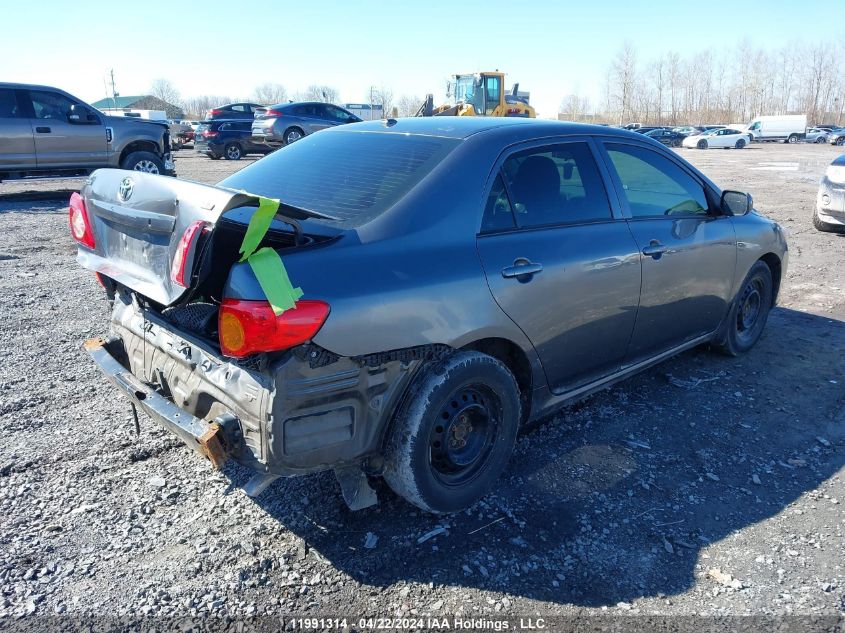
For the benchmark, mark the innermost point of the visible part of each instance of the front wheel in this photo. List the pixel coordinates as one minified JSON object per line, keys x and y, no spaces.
{"x":146,"y":162}
{"x":452,"y":437}
{"x":702,"y":144}
{"x":840,"y":141}
{"x":749,"y":312}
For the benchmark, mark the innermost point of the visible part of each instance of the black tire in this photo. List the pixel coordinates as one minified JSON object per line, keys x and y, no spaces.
{"x":840,"y":140}
{"x":143,"y":161}
{"x":453,"y":435}
{"x":825,"y":227}
{"x":702,"y":144}
{"x":793,"y":138}
{"x":740,"y":143}
{"x":748,"y":313}
{"x":820,"y":139}
{"x":233,"y":151}
{"x":292,"y":134}
{"x":213,"y":156}
{"x":675,"y":143}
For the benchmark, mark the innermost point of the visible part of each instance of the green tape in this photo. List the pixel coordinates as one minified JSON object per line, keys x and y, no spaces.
{"x":273,"y":279}
{"x":258,"y":225}
{"x":266,"y":264}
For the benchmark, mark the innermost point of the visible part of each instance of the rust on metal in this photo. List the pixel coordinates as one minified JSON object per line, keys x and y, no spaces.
{"x":212,"y":447}
{"x":94,"y":343}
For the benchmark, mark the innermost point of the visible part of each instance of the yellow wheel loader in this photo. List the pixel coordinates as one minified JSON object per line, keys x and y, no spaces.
{"x":480,"y":94}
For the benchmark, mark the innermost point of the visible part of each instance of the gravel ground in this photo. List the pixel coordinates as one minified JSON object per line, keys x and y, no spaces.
{"x":707,"y":485}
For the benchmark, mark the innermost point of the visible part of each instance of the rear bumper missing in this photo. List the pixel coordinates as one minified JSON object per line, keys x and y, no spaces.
{"x":211,"y":440}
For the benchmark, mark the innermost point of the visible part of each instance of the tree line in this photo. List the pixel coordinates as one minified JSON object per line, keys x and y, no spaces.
{"x":719,"y":86}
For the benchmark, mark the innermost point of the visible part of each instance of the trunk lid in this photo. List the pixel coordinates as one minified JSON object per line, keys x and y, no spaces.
{"x":138,"y":220}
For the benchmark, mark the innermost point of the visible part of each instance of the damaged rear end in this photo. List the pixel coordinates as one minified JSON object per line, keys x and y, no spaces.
{"x":206,"y":359}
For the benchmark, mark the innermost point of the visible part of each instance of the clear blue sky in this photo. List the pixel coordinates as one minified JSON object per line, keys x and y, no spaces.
{"x":552,"y":47}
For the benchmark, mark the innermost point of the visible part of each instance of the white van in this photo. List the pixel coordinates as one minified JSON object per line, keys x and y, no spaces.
{"x":789,"y":128}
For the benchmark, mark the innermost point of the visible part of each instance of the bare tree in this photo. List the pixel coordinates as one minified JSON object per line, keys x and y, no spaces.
{"x":316,"y":92}
{"x":270,"y":93}
{"x":166,"y":91}
{"x":383,"y":97}
{"x":623,"y":72}
{"x":408,"y":106}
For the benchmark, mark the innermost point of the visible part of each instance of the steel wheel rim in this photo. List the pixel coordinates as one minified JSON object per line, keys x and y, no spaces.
{"x":463,"y":436}
{"x":750,"y":309}
{"x":146,"y":166}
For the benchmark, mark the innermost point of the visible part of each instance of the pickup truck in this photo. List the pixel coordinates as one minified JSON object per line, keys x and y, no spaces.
{"x":47,"y":132}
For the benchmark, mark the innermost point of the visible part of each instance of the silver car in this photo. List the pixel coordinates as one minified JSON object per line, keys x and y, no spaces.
{"x":816,"y":135}
{"x":286,"y":123}
{"x":830,"y":201}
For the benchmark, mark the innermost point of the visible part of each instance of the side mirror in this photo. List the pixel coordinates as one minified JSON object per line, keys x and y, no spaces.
{"x":736,"y":202}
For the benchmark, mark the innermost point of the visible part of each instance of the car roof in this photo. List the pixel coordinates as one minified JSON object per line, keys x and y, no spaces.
{"x":464,"y":127}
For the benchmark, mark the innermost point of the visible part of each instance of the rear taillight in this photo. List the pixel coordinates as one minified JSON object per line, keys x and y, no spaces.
{"x":209,"y":134}
{"x":216,"y":111}
{"x":183,"y":260}
{"x":80,"y":227}
{"x":271,"y":112}
{"x":247,"y":327}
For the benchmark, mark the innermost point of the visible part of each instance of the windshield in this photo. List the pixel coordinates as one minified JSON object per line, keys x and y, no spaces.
{"x":468,"y":89}
{"x":352,"y":176}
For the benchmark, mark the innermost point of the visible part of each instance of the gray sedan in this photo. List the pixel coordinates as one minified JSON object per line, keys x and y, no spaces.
{"x":829,"y":214}
{"x":286,"y":123}
{"x":459,"y":277}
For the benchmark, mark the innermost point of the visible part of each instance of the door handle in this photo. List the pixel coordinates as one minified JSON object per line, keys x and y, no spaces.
{"x":522,"y":267}
{"x":655,"y":249}
{"x":43,"y":130}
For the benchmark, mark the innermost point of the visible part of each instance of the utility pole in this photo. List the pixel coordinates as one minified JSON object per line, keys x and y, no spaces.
{"x":372,"y":90}
{"x":114,"y":92}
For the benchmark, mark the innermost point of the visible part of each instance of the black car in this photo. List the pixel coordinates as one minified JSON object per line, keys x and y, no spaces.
{"x":667,"y":137}
{"x":230,"y":139}
{"x":647,"y":129}
{"x":232,"y":111}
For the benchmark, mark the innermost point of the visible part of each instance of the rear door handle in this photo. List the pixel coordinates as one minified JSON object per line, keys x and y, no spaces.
{"x":522,"y":267}
{"x":655,"y":249}
{"x":43,"y":130}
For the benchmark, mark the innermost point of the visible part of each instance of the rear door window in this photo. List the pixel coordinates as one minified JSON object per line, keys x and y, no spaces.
{"x":557,"y":184}
{"x":9,"y":108}
{"x":352,"y":176}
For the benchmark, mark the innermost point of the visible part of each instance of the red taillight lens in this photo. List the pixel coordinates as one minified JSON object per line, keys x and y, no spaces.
{"x":271,"y":112}
{"x":247,"y":327}
{"x":209,"y":134}
{"x":216,"y":111}
{"x":80,"y":227}
{"x":180,"y":268}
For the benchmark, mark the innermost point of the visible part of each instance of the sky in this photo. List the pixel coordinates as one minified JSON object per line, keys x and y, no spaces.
{"x":552,"y":48}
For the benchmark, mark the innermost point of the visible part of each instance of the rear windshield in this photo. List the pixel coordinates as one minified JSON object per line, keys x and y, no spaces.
{"x":352,"y":176}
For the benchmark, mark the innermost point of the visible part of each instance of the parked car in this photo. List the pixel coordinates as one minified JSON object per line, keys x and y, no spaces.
{"x":458,"y":279}
{"x":789,"y":128}
{"x":667,"y":137}
{"x":722,"y":137}
{"x":231,"y":140}
{"x":837,"y":136}
{"x":233,"y":111}
{"x":686,"y":130}
{"x":817,"y":135}
{"x":829,"y":214}
{"x":644,"y":129}
{"x":286,"y":123}
{"x":45,"y":131}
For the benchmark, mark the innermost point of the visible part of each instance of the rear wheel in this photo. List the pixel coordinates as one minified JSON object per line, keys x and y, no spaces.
{"x":793,"y":138}
{"x":292,"y":135}
{"x":740,"y":143}
{"x":452,"y":437}
{"x":821,"y":139}
{"x":702,"y":144}
{"x":233,"y":151}
{"x":675,"y":143}
{"x":146,"y":162}
{"x":749,"y":312}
